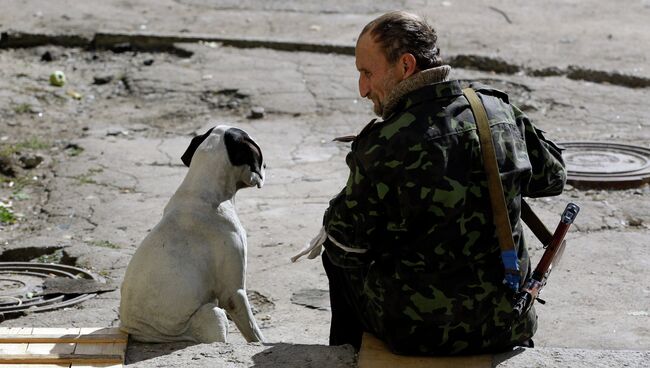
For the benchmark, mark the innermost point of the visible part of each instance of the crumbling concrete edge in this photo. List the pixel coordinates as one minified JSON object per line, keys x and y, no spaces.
{"x":168,"y":42}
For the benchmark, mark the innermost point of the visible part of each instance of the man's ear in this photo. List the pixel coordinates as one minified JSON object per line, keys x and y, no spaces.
{"x":408,"y":65}
{"x":194,"y":144}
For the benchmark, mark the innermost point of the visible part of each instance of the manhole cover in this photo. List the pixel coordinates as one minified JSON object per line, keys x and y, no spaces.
{"x":21,"y":287}
{"x":606,"y":165}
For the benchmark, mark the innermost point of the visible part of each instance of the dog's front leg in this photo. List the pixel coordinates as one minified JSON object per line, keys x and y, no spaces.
{"x":240,"y":311}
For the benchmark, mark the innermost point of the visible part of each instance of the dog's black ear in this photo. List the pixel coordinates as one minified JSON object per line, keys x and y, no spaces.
{"x":194,"y":144}
{"x":242,"y":150}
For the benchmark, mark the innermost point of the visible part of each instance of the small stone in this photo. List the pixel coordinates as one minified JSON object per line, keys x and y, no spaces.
{"x":257,"y":112}
{"x":148,"y":62}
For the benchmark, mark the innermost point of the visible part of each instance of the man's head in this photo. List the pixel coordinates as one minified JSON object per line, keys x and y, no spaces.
{"x":390,"y":49}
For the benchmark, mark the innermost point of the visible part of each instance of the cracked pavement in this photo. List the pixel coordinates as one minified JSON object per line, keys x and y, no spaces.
{"x":112,"y":157}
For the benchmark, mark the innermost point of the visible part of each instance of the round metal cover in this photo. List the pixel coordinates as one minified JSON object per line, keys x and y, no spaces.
{"x":606,"y":165}
{"x":21,"y":287}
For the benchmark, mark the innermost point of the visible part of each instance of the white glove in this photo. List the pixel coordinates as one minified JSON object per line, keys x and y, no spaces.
{"x":314,"y":247}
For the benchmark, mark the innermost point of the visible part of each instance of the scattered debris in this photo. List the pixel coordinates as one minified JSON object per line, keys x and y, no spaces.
{"x":115,"y":131}
{"x":30,"y":161}
{"x":507,"y":18}
{"x":74,"y":94}
{"x":230,"y":98}
{"x":7,"y":167}
{"x":73,"y":149}
{"x":102,"y":79}
{"x":57,"y":78}
{"x":257,"y":112}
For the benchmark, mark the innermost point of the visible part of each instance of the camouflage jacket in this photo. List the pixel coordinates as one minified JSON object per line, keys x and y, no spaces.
{"x":414,"y":221}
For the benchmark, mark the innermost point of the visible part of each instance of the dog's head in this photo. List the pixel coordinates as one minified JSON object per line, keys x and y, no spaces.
{"x":243,"y":154}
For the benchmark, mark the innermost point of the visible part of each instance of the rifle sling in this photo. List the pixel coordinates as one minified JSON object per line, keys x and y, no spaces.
{"x":497,"y":199}
{"x":535,"y":224}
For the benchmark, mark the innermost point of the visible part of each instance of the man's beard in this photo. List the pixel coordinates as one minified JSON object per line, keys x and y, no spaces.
{"x":388,"y":85}
{"x":378,"y":108}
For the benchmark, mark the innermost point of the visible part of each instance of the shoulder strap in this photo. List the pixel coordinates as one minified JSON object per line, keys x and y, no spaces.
{"x":542,"y":233}
{"x":497,"y":199}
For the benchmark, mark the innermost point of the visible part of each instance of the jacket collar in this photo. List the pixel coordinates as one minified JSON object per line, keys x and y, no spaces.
{"x":413,"y":83}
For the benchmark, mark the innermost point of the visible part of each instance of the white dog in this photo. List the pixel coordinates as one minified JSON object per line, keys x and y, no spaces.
{"x":192,"y":265}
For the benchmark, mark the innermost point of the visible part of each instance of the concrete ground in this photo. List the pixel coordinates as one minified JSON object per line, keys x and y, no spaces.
{"x":111,"y":139}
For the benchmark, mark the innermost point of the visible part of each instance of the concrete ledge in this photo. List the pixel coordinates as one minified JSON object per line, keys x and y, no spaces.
{"x":289,"y":355}
{"x":375,"y":354}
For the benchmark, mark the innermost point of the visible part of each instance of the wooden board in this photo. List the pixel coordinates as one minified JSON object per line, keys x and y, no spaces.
{"x":62,"y":347}
{"x":375,"y":354}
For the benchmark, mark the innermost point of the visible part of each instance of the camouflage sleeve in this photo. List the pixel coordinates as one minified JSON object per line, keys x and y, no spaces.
{"x":353,"y":220}
{"x":548,"y":174}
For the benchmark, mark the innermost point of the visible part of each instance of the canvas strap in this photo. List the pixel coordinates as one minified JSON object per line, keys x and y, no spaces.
{"x":495,"y":188}
{"x":542,"y":233}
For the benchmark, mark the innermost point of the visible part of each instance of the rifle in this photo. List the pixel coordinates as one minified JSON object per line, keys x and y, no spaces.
{"x":554,"y":250}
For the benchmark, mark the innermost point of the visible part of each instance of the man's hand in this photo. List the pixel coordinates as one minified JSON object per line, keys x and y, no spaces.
{"x":314,"y":247}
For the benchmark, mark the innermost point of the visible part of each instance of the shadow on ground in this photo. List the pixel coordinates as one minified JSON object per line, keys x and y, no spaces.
{"x":289,"y":355}
{"x":139,"y":352}
{"x":502,"y":357}
{"x":141,"y":355}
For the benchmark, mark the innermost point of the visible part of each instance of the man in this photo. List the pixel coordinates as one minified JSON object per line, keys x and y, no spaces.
{"x":411,"y":251}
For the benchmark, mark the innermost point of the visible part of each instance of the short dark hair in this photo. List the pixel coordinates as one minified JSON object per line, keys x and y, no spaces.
{"x":400,"y":32}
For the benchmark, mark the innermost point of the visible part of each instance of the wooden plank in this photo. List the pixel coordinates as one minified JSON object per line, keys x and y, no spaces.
{"x":55,"y":330}
{"x":16,"y":330}
{"x":116,"y":348}
{"x":35,"y":366}
{"x":54,"y":347}
{"x":101,"y":330}
{"x":45,"y":349}
{"x":16,"y":348}
{"x":375,"y":354}
{"x":101,"y":349}
{"x":60,"y":359}
{"x":62,"y":347}
{"x":63,"y":338}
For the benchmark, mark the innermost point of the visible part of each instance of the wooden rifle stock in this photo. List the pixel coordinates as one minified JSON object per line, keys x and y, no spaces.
{"x":554,"y":250}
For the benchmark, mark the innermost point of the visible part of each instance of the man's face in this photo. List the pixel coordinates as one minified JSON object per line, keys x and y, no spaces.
{"x":377,"y":77}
